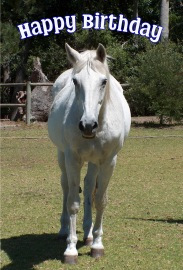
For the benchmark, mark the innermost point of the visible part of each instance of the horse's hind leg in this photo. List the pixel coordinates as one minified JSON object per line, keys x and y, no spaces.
{"x":64,"y":231}
{"x":89,"y":187}
{"x":105,"y":173}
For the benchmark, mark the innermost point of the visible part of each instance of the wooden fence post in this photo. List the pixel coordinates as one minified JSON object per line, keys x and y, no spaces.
{"x":28,"y":101}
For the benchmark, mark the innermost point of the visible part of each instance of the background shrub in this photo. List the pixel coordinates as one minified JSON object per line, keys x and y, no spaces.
{"x":159,"y":78}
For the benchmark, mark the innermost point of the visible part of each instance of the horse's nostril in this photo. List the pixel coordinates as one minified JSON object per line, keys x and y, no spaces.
{"x":81,"y":127}
{"x":95,"y":125}
{"x":89,"y":127}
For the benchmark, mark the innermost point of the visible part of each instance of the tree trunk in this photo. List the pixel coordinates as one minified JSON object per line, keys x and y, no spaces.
{"x":164,"y":19}
{"x":6,"y":73}
{"x":135,"y":8}
{"x":20,"y":77}
{"x":135,"y":15}
{"x":14,"y":115}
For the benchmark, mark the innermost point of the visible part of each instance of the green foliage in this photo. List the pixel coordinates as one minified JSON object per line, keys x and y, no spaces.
{"x":53,"y":59}
{"x":176,"y":21}
{"x":119,"y":63}
{"x":139,"y":102}
{"x":123,"y":56}
{"x":9,"y":44}
{"x":149,"y":10}
{"x":91,"y":38}
{"x":159,"y":77}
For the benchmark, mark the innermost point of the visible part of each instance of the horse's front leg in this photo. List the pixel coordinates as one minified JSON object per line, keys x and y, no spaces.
{"x":73,"y":168}
{"x":105,"y":173}
{"x":89,"y":187}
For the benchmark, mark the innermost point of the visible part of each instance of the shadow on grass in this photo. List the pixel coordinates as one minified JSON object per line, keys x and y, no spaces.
{"x":171,"y":221}
{"x":25,"y":251}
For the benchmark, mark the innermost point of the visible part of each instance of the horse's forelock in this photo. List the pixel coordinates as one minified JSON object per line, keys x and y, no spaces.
{"x":89,"y":59}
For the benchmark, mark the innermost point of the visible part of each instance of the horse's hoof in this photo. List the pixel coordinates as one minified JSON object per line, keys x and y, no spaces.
{"x":97,"y":252}
{"x":69,"y":259}
{"x":88,"y":241}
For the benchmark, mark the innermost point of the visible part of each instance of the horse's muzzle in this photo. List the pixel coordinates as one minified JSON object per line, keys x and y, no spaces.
{"x":88,"y":129}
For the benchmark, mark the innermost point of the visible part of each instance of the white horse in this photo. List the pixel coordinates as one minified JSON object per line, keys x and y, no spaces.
{"x":88,"y":122}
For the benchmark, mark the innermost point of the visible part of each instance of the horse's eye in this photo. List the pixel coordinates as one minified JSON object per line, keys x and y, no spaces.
{"x":75,"y":81}
{"x":104,"y":82}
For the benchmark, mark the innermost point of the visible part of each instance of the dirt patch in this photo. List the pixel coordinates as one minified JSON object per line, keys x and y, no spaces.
{"x":5,"y":124}
{"x":145,"y":119}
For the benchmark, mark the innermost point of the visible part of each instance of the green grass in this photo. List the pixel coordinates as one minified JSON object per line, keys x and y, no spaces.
{"x":143,"y":223}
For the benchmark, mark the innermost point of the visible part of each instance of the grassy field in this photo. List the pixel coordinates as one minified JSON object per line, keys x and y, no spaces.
{"x":143,"y":224}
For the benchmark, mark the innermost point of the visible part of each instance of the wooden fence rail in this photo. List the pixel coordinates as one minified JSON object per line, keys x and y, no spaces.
{"x":28,"y":99}
{"x":12,"y":105}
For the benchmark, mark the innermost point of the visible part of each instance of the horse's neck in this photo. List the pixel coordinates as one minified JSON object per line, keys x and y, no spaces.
{"x":107,"y":99}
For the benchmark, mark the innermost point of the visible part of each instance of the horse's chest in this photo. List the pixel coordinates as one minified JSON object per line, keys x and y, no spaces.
{"x":96,"y":150}
{"x":91,"y":152}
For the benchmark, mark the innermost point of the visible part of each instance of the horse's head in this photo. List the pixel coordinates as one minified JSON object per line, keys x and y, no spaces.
{"x":90,"y":79}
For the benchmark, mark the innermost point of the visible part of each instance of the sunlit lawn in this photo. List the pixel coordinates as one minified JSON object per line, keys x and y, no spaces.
{"x":143,"y":224}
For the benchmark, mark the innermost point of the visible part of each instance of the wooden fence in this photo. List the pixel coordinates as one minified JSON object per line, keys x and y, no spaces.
{"x":28,"y":99}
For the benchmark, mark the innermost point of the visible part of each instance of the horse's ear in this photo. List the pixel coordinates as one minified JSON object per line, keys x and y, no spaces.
{"x":101,"y":53}
{"x":73,"y":55}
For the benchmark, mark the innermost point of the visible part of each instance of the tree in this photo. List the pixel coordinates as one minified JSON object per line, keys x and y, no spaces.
{"x":159,"y":77}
